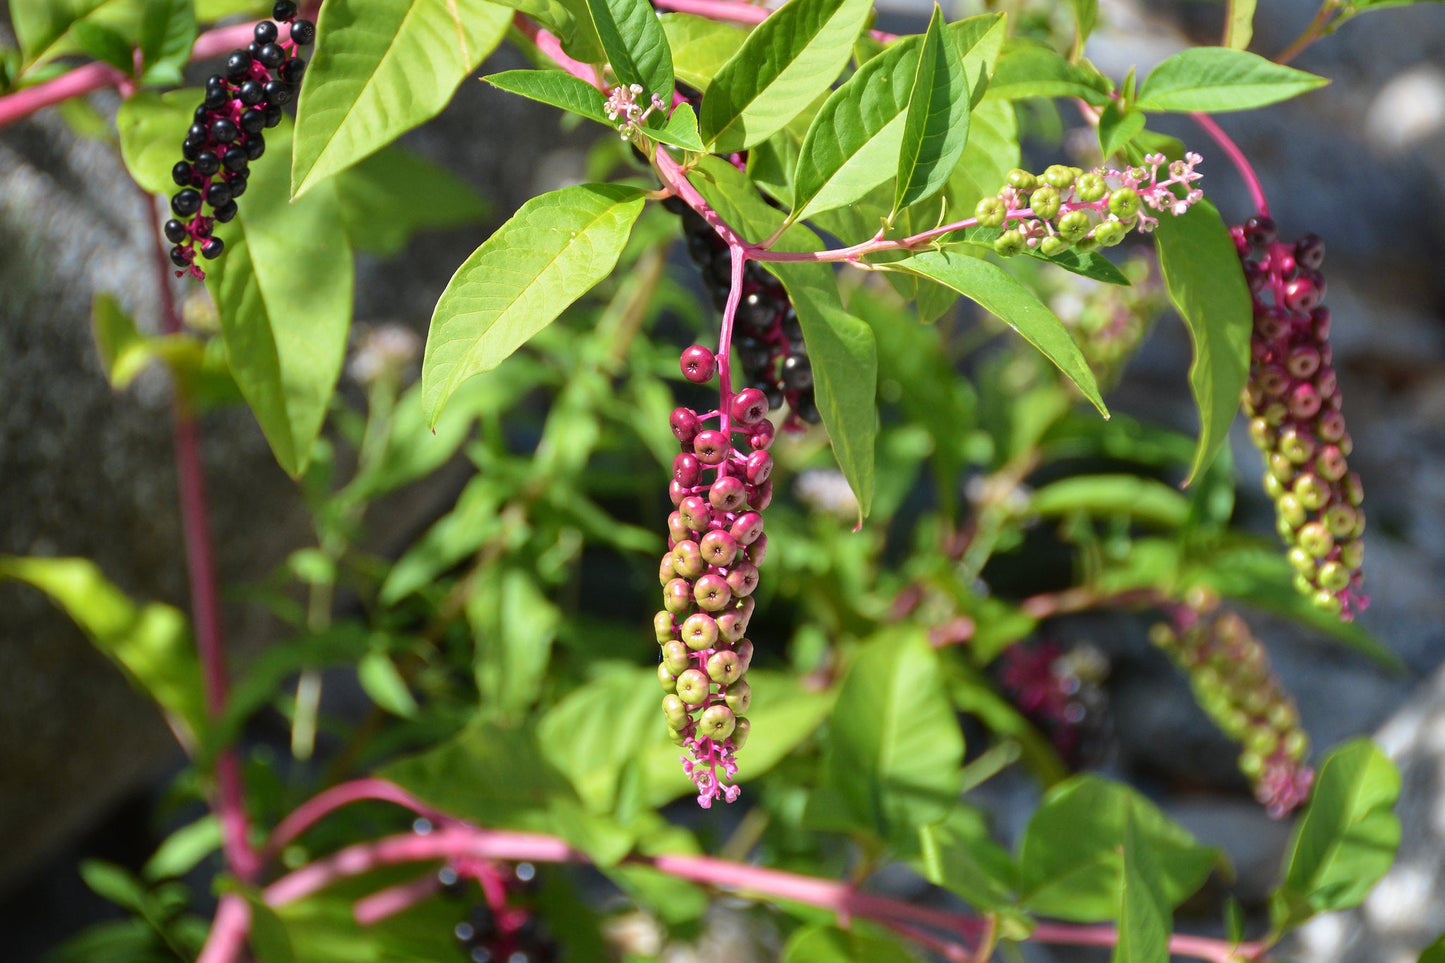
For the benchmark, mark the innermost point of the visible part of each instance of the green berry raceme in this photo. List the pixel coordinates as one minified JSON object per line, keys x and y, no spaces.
{"x":1009,"y":243}
{"x":1053,"y":246}
{"x":991,"y":212}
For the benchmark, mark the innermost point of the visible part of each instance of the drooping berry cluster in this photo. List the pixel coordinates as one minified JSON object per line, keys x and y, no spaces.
{"x":225,"y":135}
{"x":1232,"y":681}
{"x":1293,"y":402}
{"x":769,"y":337}
{"x":502,"y":927}
{"x":1067,"y":208}
{"x":715,"y":545}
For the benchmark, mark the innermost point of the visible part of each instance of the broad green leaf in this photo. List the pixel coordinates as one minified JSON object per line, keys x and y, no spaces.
{"x":852,"y":145}
{"x":593,"y":733}
{"x":1201,"y":270}
{"x":514,"y":624}
{"x":936,"y":131}
{"x":268,"y":936}
{"x":384,"y":685}
{"x":1216,"y":79}
{"x":1117,"y":127}
{"x":550,"y":253}
{"x":1345,"y":840}
{"x":957,"y":854}
{"x":1028,"y":69}
{"x":47,"y":29}
{"x":635,"y":45}
{"x":841,"y":347}
{"x":395,"y":193}
{"x":322,"y":927}
{"x":1144,"y":916}
{"x":680,"y":130}
{"x":1000,"y":293}
{"x":558,"y":88}
{"x":1140,"y":499}
{"x":992,"y":151}
{"x":1239,"y":30}
{"x":113,"y":883}
{"x":1088,"y":264}
{"x":284,"y":290}
{"x":979,"y":41}
{"x":380,"y":69}
{"x":787,"y":60}
{"x":151,"y":643}
{"x":699,"y":46}
{"x":894,"y":745}
{"x":459,"y":533}
{"x":828,"y":944}
{"x":168,"y":29}
{"x":202,"y":375}
{"x":148,"y":125}
{"x":104,"y":44}
{"x":1072,"y":862}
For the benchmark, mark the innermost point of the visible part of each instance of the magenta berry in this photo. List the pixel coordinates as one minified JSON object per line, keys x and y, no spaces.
{"x":698,"y":364}
{"x":749,"y":407}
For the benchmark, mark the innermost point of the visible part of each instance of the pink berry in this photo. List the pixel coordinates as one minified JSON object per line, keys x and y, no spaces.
{"x":698,"y":364}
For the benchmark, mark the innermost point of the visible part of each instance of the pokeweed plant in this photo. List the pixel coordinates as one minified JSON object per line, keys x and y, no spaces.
{"x":836,"y":185}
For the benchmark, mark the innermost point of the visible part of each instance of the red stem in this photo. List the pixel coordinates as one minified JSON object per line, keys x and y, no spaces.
{"x":1236,"y":156}
{"x":732,"y":11}
{"x":308,"y":813}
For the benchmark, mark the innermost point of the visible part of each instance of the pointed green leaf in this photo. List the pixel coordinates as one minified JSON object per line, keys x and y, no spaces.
{"x":787,"y":61}
{"x":1117,"y":127}
{"x":937,"y":128}
{"x":1346,"y":839}
{"x":894,"y":745}
{"x":1201,"y":270}
{"x":957,"y":854}
{"x":105,"y":45}
{"x":514,"y":625}
{"x":979,"y":41}
{"x":1028,"y":69}
{"x":1144,"y":915}
{"x":593,"y":756}
{"x":699,"y":46}
{"x":1434,"y":953}
{"x":635,"y":46}
{"x":997,"y":291}
{"x":151,"y":643}
{"x":380,"y":69}
{"x":1216,"y":79}
{"x":828,"y":944}
{"x":168,"y":29}
{"x":992,"y":151}
{"x":148,"y":125}
{"x":284,"y":290}
{"x":680,"y":130}
{"x":1240,"y":29}
{"x":1086,"y":15}
{"x":47,"y":29}
{"x":549,"y":254}
{"x":383,"y":684}
{"x":558,"y":88}
{"x":852,"y":145}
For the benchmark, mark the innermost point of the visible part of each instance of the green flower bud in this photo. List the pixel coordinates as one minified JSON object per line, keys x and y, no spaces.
{"x":1009,"y":244}
{"x":1090,"y":188}
{"x":1059,"y":177}
{"x":1053,"y":246}
{"x":1074,"y":225}
{"x":1045,"y":202}
{"x":991,"y":212}
{"x":1109,"y":233}
{"x":1124,"y":203}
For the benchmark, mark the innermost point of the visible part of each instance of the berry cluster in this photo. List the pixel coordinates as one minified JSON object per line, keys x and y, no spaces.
{"x":1064,"y":207}
{"x":226,"y":134}
{"x":501,"y":928}
{"x":715,"y":544}
{"x":1232,"y":682}
{"x":1060,"y":692}
{"x":1293,"y":402}
{"x":769,"y":336}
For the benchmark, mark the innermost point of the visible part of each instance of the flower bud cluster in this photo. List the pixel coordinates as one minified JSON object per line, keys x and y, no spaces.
{"x":1065,"y":207}
{"x":769,"y":337}
{"x":1293,"y":402}
{"x":715,"y":545}
{"x":225,"y":135}
{"x":1232,"y":681}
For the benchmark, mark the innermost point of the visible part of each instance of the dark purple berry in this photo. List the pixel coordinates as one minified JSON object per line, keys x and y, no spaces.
{"x":178,"y":257}
{"x":201,"y":115}
{"x":807,"y":409}
{"x":216,"y":95}
{"x":293,"y":70}
{"x":271,"y":55}
{"x":199,"y":133}
{"x":255,"y":147}
{"x":1260,"y":231}
{"x":237,"y":184}
{"x":772,"y":392}
{"x":207,"y":163}
{"x":273,"y":115}
{"x":186,"y":202}
{"x":303,"y":32}
{"x":252,"y":121}
{"x":234,"y":160}
{"x":223,"y":130}
{"x":238,"y":65}
{"x":224,"y":214}
{"x":283,"y":11}
{"x":756,"y":313}
{"x":254,"y":49}
{"x":792,"y":327}
{"x":175,"y":231}
{"x":278,"y":92}
{"x":266,"y":33}
{"x":190,"y":149}
{"x":251,"y":94}
{"x":1309,"y":251}
{"x":181,"y":174}
{"x":218,"y":194}
{"x":797,"y":373}
{"x":212,"y":248}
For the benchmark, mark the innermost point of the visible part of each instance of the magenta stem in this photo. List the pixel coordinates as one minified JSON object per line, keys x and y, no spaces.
{"x":1236,"y":156}
{"x":229,"y":927}
{"x":378,"y":906}
{"x":732,"y":11}
{"x":308,"y":813}
{"x":1196,"y":947}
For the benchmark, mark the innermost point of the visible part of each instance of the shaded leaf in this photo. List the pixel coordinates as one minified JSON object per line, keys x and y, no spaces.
{"x":395,"y":193}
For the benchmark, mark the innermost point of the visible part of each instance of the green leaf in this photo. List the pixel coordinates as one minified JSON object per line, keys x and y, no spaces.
{"x":113,"y":883}
{"x":1028,"y":69}
{"x":957,"y":854}
{"x":148,"y":124}
{"x":699,"y":46}
{"x":828,"y":944}
{"x":680,"y":130}
{"x":787,"y":61}
{"x":1072,"y":862}
{"x":184,"y":849}
{"x":1086,"y":15}
{"x":1118,"y":126}
{"x":992,"y":151}
{"x":1434,"y":953}
{"x":558,"y":88}
{"x":894,"y":746}
{"x":1140,"y":499}
{"x":549,"y":254}
{"x":395,"y":193}
{"x":1216,"y":79}
{"x":635,"y":45}
{"x":1144,"y":916}
{"x":47,"y":29}
{"x":853,"y":142}
{"x":514,"y":624}
{"x":150,"y":643}
{"x":380,"y":69}
{"x":1239,"y":30}
{"x":979,"y":41}
{"x":999,"y":292}
{"x":1201,"y":270}
{"x":936,"y":131}
{"x":268,"y":936}
{"x":594,"y":732}
{"x":168,"y":30}
{"x":104,"y":44}
{"x":1346,"y":839}
{"x":384,"y":685}
{"x":284,"y":291}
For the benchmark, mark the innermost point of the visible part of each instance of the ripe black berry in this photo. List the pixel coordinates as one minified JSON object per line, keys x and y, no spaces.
{"x":278,"y":92}
{"x":238,"y":65}
{"x":202,"y":114}
{"x":266,"y":32}
{"x":283,"y":11}
{"x":797,"y":373}
{"x":271,"y":55}
{"x":254,"y":49}
{"x":234,"y":159}
{"x":178,"y":257}
{"x":216,"y":95}
{"x":223,"y":130}
{"x":252,"y":121}
{"x":237,"y":184}
{"x":181,"y":174}
{"x":212,"y":248}
{"x":303,"y":32}
{"x":186,"y":202}
{"x":255,"y":147}
{"x":207,"y":163}
{"x":175,"y":231}
{"x":293,"y":70}
{"x":197,"y":133}
{"x":273,"y":115}
{"x":190,"y":150}
{"x":224,"y":214}
{"x":218,"y":194}
{"x":251,"y":93}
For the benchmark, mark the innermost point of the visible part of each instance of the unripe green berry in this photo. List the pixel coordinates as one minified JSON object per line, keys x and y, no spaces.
{"x":1296,"y":446}
{"x":716,"y":723}
{"x":699,"y":631}
{"x":676,"y":656}
{"x":1261,"y":434}
{"x":740,"y":734}
{"x":1262,"y":740}
{"x":1045,"y":202}
{"x":1352,"y":553}
{"x":1273,"y":487}
{"x":724,"y":667}
{"x":1124,"y":203}
{"x":1074,"y":225}
{"x":1053,"y":246}
{"x":745,"y":653}
{"x":1109,"y":233}
{"x":1090,"y":188}
{"x":739,"y":696}
{"x":1302,"y":561}
{"x":1340,"y":520}
{"x":675,"y":711}
{"x":732,"y":626}
{"x":1060,"y":177}
{"x":1311,"y":492}
{"x":1327,"y":601}
{"x":693,"y":686}
{"x":1022,"y":180}
{"x":1251,"y":764}
{"x":662,"y":627}
{"x":1290,"y":510}
{"x":666,"y":678}
{"x":1009,"y":244}
{"x":677,"y":596}
{"x":1296,"y":744}
{"x":1333,"y":576}
{"x":1086,"y":243}
{"x":991,"y":212}
{"x":718,"y":548}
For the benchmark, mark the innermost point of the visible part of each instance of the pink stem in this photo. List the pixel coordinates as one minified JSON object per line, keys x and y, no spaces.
{"x":205,"y":599}
{"x":1241,"y":163}
{"x":308,"y":813}
{"x":395,"y":899}
{"x":730,"y":11}
{"x":228,"y":931}
{"x":1197,"y":947}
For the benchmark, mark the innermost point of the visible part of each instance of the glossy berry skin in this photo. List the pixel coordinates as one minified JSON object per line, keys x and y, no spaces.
{"x":698,"y":364}
{"x":303,"y":32}
{"x":284,"y":11}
